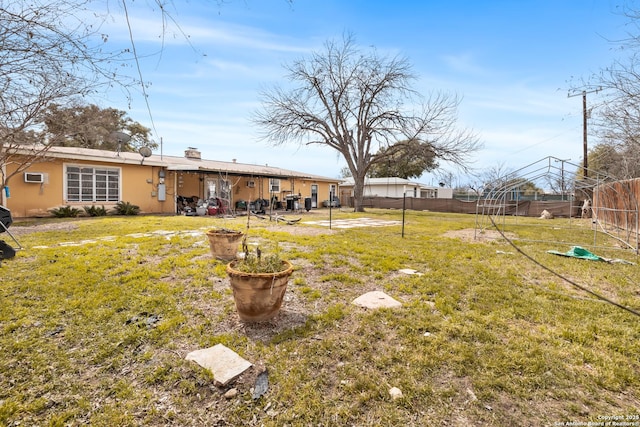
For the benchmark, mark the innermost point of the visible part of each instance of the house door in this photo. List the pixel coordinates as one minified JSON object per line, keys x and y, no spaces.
{"x":314,"y":195}
{"x":218,"y":188}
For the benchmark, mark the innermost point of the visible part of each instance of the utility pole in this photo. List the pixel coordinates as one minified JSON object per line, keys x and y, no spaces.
{"x":584,"y":93}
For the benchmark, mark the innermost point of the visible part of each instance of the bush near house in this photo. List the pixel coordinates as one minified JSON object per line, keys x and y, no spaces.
{"x":126,"y":208}
{"x":65,"y":212}
{"x":95,"y":210}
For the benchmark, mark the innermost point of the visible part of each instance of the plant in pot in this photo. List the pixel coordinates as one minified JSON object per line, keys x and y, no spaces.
{"x":224,"y":242}
{"x":259,"y":283}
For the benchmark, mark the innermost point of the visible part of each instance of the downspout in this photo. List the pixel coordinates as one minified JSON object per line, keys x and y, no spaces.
{"x":175,"y":192}
{"x":3,"y":173}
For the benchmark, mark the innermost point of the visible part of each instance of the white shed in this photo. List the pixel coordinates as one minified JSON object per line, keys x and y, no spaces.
{"x":384,"y":187}
{"x":396,"y":187}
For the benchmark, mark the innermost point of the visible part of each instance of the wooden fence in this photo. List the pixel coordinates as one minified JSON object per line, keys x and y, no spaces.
{"x":531,"y":208}
{"x":616,"y":204}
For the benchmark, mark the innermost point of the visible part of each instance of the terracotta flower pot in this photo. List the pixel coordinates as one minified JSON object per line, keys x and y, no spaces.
{"x":258,"y":296}
{"x":224,"y":243}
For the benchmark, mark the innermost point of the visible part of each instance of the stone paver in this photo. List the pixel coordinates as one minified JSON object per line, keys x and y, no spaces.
{"x":376,"y":299}
{"x":410,"y":271}
{"x":225,"y":363}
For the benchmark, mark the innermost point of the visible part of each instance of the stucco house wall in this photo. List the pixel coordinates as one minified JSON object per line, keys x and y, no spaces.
{"x":154,"y":183}
{"x":137,"y":185}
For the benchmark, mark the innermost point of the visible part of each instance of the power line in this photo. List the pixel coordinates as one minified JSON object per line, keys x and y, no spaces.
{"x":540,"y":142}
{"x":135,"y":56}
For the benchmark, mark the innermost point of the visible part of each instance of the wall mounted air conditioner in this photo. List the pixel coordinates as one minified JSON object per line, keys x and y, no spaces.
{"x":35,"y":177}
{"x":251,"y":184}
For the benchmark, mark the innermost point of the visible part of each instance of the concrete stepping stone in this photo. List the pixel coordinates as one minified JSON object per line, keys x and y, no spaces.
{"x":376,"y":299}
{"x":410,"y":271}
{"x":225,"y":363}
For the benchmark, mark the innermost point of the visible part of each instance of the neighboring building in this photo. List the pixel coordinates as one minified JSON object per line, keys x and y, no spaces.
{"x":396,"y":188}
{"x":429,"y":192}
{"x":80,"y":177}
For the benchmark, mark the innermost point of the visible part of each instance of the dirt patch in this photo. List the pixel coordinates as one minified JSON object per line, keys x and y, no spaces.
{"x":478,"y":236}
{"x":299,"y":229}
{"x":50,"y":226}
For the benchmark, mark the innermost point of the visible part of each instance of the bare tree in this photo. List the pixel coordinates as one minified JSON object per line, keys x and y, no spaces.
{"x":357,"y":102}
{"x":50,"y":54}
{"x":614,"y":160}
{"x":490,"y":178}
{"x":616,"y":120}
{"x":446,"y":178}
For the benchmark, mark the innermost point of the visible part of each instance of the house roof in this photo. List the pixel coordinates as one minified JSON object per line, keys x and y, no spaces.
{"x":177,"y":163}
{"x":381,"y":181}
{"x":392,"y":180}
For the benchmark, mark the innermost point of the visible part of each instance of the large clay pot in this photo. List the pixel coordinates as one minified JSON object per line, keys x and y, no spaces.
{"x":224,"y":243}
{"x":258,"y":296}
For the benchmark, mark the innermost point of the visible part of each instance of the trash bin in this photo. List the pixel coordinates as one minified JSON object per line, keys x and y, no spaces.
{"x":257,"y":206}
{"x":5,"y":218}
{"x":6,"y":251}
{"x":289,"y":203}
{"x":307,"y":204}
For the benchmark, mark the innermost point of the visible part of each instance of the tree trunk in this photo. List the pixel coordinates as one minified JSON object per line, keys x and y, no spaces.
{"x":358,"y":193}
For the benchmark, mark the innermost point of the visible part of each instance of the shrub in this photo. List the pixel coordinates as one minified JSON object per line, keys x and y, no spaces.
{"x":271,"y":263}
{"x":126,"y":208}
{"x":65,"y":212}
{"x":95,"y":210}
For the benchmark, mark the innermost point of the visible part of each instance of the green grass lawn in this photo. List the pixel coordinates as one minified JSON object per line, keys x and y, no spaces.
{"x":97,"y":316}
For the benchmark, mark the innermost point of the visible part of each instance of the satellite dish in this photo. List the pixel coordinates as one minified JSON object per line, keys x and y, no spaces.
{"x":144,"y":152}
{"x":119,"y":137}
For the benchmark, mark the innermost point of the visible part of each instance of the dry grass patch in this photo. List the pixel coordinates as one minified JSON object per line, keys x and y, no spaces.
{"x":96,"y":334}
{"x":472,"y":235}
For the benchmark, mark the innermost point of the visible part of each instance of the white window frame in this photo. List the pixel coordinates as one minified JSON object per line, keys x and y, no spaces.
{"x":95,"y":184}
{"x":274,"y":185}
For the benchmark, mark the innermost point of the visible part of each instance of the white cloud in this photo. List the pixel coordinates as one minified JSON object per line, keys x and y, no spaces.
{"x":464,"y":63}
{"x":150,"y":28}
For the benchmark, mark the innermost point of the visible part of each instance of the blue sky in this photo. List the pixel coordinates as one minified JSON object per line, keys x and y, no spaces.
{"x":511,"y":61}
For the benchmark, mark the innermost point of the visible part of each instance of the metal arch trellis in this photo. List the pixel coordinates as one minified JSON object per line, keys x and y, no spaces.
{"x":612,"y":205}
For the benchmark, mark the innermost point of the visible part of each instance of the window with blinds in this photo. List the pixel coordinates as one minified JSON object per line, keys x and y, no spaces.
{"x":92,"y":184}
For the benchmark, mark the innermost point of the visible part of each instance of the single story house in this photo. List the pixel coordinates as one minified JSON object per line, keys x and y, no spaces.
{"x":394,"y":187}
{"x":79,"y":177}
